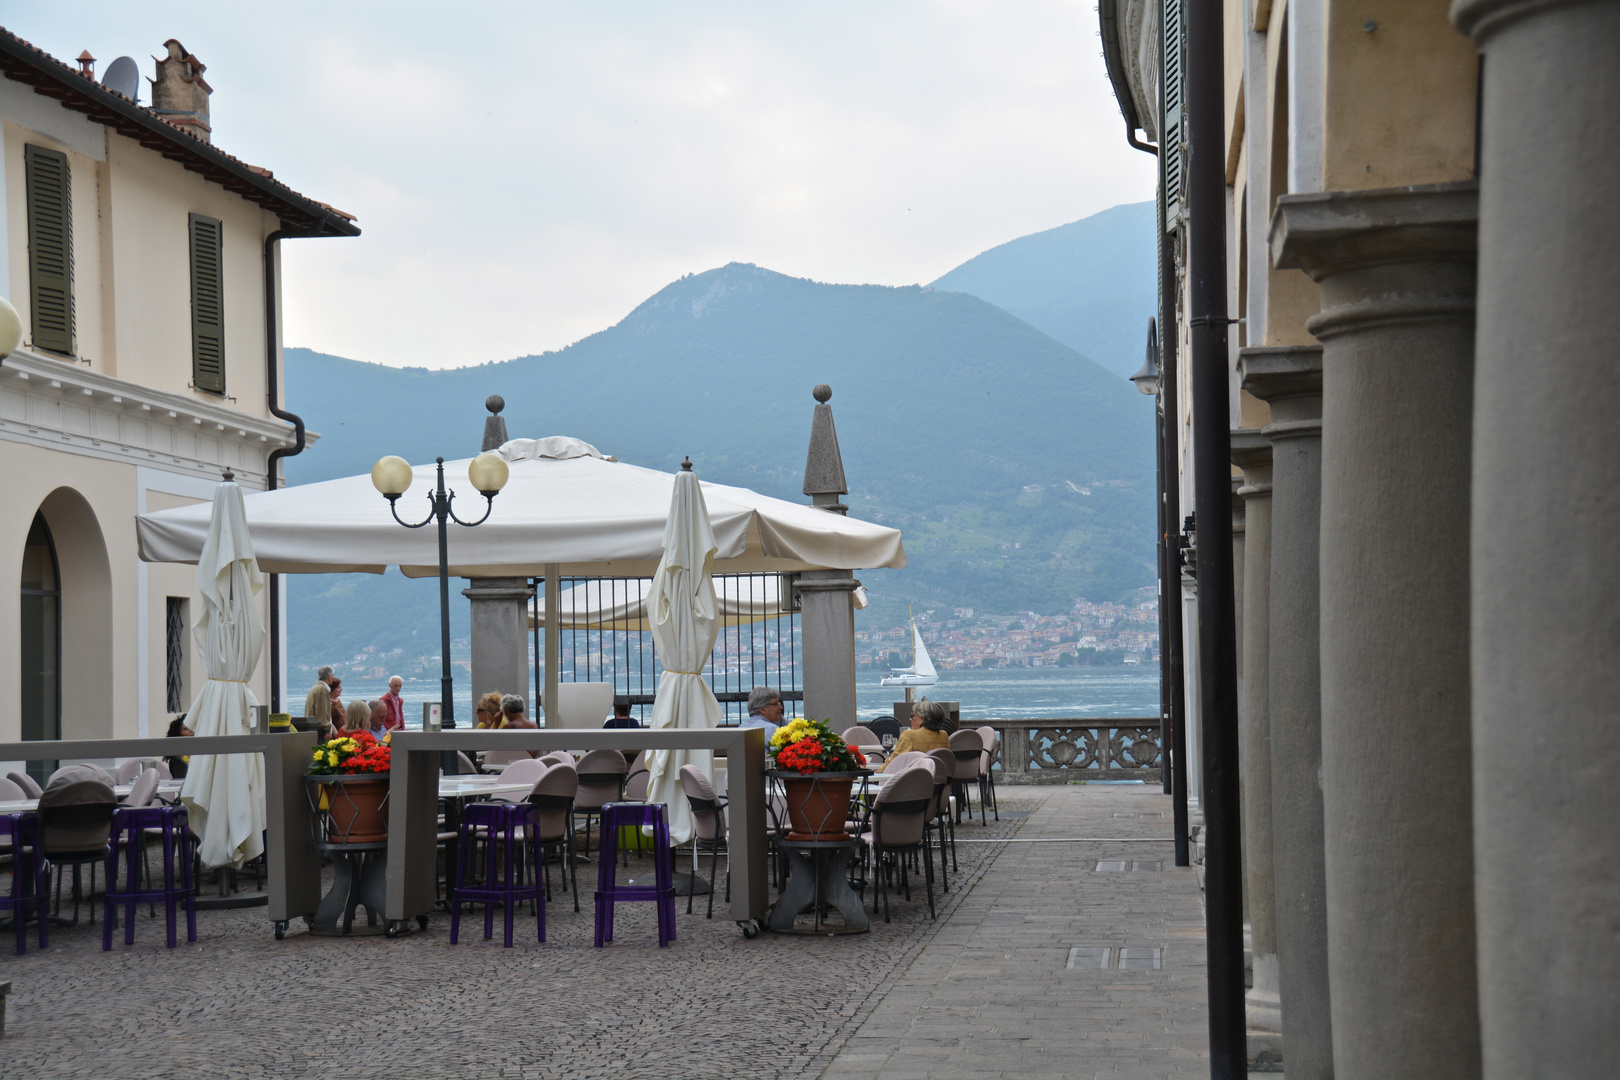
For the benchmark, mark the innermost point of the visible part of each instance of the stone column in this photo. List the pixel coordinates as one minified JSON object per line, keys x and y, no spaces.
{"x":1289,"y":379}
{"x":1251,"y":452}
{"x":1396,"y":271}
{"x":827,"y":627}
{"x":500,"y":639}
{"x":1546,"y":514}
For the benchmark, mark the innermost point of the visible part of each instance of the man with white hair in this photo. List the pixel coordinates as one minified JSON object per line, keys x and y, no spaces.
{"x":395,"y":721}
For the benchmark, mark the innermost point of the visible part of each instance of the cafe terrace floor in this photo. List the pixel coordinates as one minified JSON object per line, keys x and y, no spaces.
{"x":1008,"y":982}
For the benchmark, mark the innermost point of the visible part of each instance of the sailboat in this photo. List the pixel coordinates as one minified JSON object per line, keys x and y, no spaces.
{"x":921,"y":672}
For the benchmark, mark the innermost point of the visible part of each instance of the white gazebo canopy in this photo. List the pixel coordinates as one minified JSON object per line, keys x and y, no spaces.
{"x":565,"y":506}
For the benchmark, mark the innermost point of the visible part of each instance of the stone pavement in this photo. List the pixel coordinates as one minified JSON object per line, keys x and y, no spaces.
{"x":984,"y":991}
{"x":998,"y":992}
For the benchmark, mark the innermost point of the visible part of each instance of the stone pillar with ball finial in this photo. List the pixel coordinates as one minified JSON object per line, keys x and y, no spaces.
{"x":827,"y":597}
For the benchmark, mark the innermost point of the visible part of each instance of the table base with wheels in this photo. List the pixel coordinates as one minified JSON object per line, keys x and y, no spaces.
{"x":359,"y":879}
{"x":818,"y":878}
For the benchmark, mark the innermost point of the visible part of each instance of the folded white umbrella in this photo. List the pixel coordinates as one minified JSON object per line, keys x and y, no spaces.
{"x":564,"y":504}
{"x":683,"y":618}
{"x":224,"y":794}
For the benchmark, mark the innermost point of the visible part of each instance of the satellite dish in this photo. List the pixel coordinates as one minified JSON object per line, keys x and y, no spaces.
{"x":123,"y":77}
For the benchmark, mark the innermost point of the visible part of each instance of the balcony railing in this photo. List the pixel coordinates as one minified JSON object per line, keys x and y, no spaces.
{"x":1056,"y":751}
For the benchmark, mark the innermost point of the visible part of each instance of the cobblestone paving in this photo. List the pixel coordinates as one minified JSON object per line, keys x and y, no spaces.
{"x":240,"y":1004}
{"x":991,"y":994}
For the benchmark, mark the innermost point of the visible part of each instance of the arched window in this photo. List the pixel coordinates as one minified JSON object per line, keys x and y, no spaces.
{"x":41,"y":637}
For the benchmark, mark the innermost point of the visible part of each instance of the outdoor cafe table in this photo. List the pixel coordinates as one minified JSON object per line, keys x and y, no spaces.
{"x":414,"y":788}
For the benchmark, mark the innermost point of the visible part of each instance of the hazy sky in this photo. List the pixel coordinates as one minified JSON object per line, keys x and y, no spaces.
{"x":525,"y":174}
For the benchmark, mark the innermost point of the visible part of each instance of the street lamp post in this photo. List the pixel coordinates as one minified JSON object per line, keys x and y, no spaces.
{"x":1148,"y":380}
{"x":392,"y":476}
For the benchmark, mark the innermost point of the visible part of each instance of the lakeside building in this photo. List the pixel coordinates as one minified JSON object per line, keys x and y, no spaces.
{"x":143,"y":262}
{"x":1387,"y":236}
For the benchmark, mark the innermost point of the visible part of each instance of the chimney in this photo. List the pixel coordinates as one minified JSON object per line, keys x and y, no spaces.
{"x":180,"y":94}
{"x":87,"y":65}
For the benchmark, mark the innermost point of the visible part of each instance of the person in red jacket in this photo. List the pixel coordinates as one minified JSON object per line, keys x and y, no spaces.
{"x":395,"y":705}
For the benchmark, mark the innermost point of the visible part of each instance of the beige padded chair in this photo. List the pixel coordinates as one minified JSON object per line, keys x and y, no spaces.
{"x":968,"y":748}
{"x":871,"y":746}
{"x":899,"y":824}
{"x":987,"y":768}
{"x":496,"y":761}
{"x":944,"y":765}
{"x":709,"y":830}
{"x":601,"y":781}
{"x":552,"y":826}
{"x":75,"y":826}
{"x":30,"y":786}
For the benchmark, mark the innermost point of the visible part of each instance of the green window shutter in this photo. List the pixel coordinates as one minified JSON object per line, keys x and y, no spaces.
{"x":50,"y":248}
{"x":1172,"y":156}
{"x":207,"y":305}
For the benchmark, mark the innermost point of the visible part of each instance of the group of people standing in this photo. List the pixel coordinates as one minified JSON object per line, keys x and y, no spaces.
{"x":379,"y":717}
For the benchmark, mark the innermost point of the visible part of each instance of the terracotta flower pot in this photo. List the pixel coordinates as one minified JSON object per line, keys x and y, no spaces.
{"x":357,"y":807}
{"x":817,"y":804}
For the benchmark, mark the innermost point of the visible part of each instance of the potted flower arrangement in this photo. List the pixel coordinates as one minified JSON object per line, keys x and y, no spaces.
{"x":353,"y":782}
{"x":817,"y":770}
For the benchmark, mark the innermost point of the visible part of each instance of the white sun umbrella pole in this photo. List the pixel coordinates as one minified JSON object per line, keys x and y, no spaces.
{"x":225,"y":793}
{"x":683,"y":616}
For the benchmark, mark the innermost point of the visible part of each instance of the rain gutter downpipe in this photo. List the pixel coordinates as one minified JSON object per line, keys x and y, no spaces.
{"x":271,"y":354}
{"x":1212,"y":487}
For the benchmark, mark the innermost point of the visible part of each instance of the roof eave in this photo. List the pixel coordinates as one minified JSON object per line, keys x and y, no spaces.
{"x":51,"y":78}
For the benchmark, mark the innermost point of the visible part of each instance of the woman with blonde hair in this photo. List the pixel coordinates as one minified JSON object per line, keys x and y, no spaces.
{"x":356,"y":718}
{"x":930,"y":726}
{"x":489,"y":711}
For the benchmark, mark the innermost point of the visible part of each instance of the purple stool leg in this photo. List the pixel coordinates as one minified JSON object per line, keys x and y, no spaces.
{"x":109,"y":899}
{"x":134,"y":841}
{"x":185,"y":871}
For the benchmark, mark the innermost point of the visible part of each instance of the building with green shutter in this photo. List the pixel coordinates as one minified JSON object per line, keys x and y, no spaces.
{"x":143,"y":262}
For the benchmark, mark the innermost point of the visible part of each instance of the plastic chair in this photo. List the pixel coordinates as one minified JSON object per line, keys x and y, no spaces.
{"x":559,"y":757}
{"x":75,"y":828}
{"x":602,"y":775}
{"x":11,"y":791}
{"x":83,"y":770}
{"x":617,"y":816}
{"x":131,"y":824}
{"x":987,"y":775}
{"x":30,"y":786}
{"x":709,"y":831}
{"x":899,"y":823}
{"x":465,"y":763}
{"x":30,"y":877}
{"x":493,"y":828}
{"x":967,"y":748}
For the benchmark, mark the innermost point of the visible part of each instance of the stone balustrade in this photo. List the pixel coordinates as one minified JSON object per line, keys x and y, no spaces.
{"x":1058,"y":750}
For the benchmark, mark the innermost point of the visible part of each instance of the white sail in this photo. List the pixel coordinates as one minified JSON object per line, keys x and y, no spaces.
{"x":921,"y":663}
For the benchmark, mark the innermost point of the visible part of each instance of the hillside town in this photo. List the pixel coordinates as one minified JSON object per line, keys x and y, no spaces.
{"x":1088,"y":634}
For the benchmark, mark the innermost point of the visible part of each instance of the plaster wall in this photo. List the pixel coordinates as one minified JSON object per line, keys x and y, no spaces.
{"x":1401,"y":91}
{"x":132,"y":268}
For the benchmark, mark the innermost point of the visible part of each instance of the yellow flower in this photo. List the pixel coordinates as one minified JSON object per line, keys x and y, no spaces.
{"x":318,"y":755}
{"x":331,"y":759}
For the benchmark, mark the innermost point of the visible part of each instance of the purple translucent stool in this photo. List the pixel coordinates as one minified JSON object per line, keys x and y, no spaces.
{"x":502,"y":845}
{"x":129,"y":825}
{"x":616,"y":816}
{"x":28,"y":878}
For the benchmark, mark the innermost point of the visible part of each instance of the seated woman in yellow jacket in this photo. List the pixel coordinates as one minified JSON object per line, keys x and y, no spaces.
{"x":930,"y":724}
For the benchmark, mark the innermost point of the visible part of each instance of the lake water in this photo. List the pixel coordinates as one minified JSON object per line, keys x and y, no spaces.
{"x":998,"y":693}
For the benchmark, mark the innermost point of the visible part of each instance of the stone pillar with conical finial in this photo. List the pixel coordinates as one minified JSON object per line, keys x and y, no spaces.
{"x":494,"y":423}
{"x":500,"y":612}
{"x":827,"y":597}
